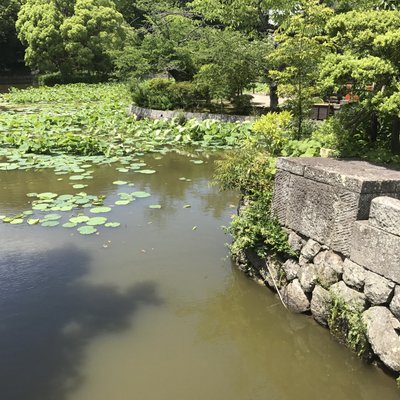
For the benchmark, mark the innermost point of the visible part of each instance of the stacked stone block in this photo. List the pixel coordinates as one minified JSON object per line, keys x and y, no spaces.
{"x":343,"y":221}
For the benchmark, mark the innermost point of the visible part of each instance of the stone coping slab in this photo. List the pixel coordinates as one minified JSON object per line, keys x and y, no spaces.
{"x":353,"y":175}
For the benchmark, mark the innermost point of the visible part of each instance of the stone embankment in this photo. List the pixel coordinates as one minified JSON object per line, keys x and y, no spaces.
{"x":343,"y":220}
{"x":142,"y":113}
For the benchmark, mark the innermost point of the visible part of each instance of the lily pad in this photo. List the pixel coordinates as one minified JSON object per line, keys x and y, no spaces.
{"x":154,"y":206}
{"x":197,"y":161}
{"x":16,"y":221}
{"x":65,"y":208}
{"x":76,"y":178}
{"x":33,"y":221}
{"x":147,"y":171}
{"x":49,"y":223}
{"x":120,"y":183}
{"x":52,"y":217}
{"x":69,"y":225}
{"x":65,"y":197}
{"x":87,"y":230}
{"x":96,"y":221}
{"x":98,"y":210}
{"x":187,"y":206}
{"x":141,"y":194}
{"x":47,"y":195}
{"x":79,"y":186}
{"x":79,"y":219}
{"x":83,"y":200}
{"x":123,"y":202}
{"x":112,"y":224}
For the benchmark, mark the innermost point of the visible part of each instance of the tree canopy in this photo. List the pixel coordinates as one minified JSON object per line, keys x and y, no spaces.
{"x":65,"y":36}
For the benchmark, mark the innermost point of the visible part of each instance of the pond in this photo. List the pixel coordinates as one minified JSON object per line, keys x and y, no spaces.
{"x":152,"y":309}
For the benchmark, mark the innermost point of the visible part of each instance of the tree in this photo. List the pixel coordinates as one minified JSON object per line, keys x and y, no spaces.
{"x":301,"y":47}
{"x":38,"y":28}
{"x":255,"y":19}
{"x":91,"y":33}
{"x":367,"y":56}
{"x":10,"y":48}
{"x":67,"y":37}
{"x":229,"y":62}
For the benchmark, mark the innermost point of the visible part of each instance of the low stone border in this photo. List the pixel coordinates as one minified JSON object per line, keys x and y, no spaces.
{"x":142,"y":113}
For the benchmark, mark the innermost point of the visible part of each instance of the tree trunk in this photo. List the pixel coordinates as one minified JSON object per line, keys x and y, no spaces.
{"x":373,"y":128}
{"x":273,"y":96}
{"x":395,"y":140}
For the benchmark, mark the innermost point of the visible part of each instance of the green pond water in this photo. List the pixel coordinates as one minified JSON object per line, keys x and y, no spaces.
{"x":152,"y":309}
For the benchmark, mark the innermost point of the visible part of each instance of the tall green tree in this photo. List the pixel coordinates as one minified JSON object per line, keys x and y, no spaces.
{"x":229,"y":62}
{"x":38,"y":28}
{"x":255,"y":19}
{"x":10,"y":47}
{"x":89,"y":36}
{"x":301,"y":47}
{"x":367,"y":56}
{"x":70,"y":36}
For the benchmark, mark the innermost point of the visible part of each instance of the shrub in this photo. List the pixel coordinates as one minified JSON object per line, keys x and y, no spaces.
{"x":273,"y":131}
{"x":251,"y":171}
{"x":166,"y":94}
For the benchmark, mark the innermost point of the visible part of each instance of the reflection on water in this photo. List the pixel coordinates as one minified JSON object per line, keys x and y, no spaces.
{"x":153,"y":310}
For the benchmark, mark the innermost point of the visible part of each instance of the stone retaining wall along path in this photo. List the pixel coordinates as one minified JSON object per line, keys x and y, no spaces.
{"x":343,"y":220}
{"x":142,"y":113}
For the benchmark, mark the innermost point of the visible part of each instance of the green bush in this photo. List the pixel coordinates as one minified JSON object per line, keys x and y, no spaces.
{"x":273,"y":131}
{"x":251,"y":171}
{"x":166,"y":94}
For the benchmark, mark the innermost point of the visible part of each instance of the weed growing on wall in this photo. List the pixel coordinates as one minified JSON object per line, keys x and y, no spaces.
{"x":251,"y":171}
{"x":346,"y":324}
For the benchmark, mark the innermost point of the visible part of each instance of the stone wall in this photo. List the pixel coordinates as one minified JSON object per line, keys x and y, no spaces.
{"x":142,"y":113}
{"x":343,"y":221}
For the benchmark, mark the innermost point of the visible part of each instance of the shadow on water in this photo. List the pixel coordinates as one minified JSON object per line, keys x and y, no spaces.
{"x":47,"y":317}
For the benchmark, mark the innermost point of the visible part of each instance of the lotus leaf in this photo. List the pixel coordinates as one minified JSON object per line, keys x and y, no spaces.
{"x":96,"y":221}
{"x":123,"y":202}
{"x":52,"y":217}
{"x":16,"y":221}
{"x":112,"y":224}
{"x":49,"y":223}
{"x":79,"y":219}
{"x":141,"y":194}
{"x":69,"y":225}
{"x":87,"y":230}
{"x":47,"y":195}
{"x":97,"y":210}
